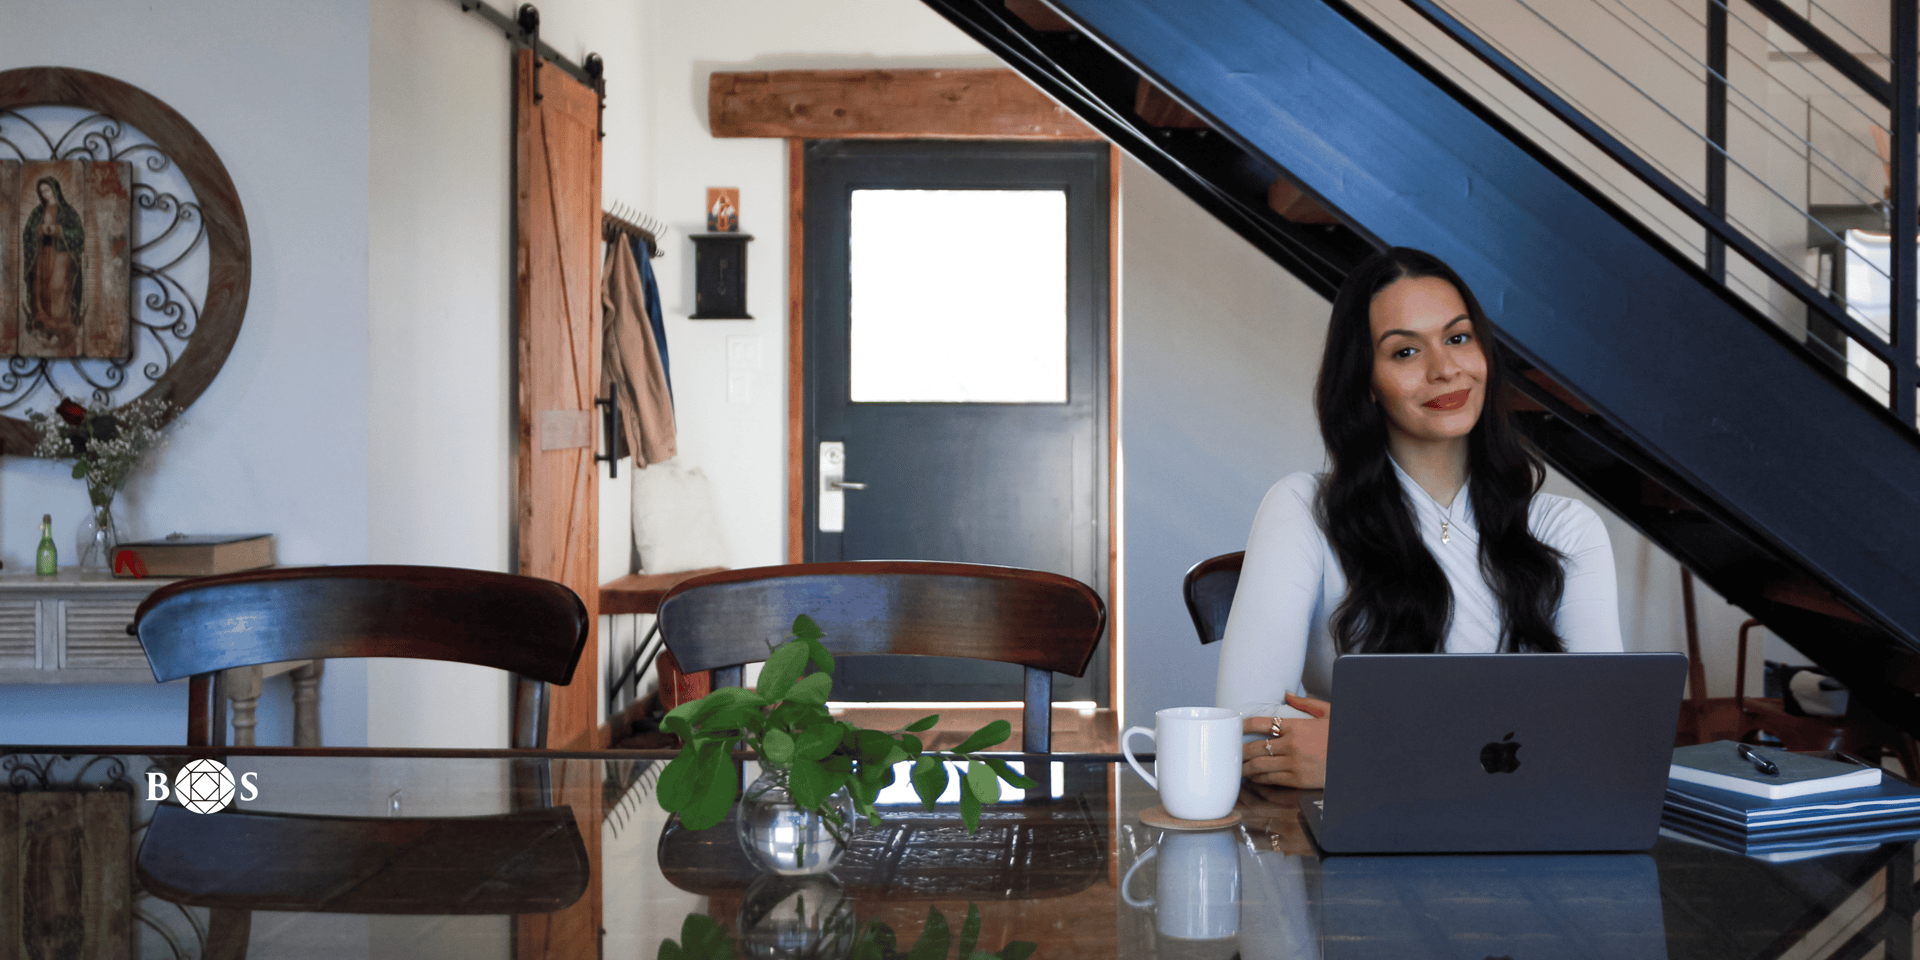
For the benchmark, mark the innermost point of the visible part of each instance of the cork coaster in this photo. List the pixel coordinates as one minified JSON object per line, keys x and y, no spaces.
{"x":1159,"y":817}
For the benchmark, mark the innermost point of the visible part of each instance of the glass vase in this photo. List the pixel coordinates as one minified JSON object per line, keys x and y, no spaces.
{"x":93,"y":543}
{"x":795,"y":918}
{"x":782,"y":837}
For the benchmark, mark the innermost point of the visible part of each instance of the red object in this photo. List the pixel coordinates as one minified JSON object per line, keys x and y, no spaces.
{"x":72,"y":412}
{"x":129,"y":563}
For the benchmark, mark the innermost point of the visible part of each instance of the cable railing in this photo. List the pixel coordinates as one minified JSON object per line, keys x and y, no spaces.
{"x":1743,"y":132}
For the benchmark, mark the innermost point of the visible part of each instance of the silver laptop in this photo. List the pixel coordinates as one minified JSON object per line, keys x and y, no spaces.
{"x":1494,"y":753}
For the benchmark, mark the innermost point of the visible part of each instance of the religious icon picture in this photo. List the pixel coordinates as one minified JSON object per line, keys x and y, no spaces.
{"x":70,"y":278}
{"x":723,"y":209}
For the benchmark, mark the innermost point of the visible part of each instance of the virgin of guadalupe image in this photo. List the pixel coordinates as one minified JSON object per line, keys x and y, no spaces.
{"x":52,"y":243}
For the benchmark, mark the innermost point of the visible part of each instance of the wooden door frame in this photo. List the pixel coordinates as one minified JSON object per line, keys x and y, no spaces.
{"x":802,"y":105}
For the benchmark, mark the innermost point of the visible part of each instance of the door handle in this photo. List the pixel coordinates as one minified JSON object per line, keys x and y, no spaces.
{"x":831,"y":500}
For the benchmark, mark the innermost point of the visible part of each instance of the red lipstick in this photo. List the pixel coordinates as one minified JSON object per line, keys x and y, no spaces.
{"x":1448,"y":401}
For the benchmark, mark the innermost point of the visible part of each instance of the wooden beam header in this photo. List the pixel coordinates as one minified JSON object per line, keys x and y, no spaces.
{"x":887,"y":105}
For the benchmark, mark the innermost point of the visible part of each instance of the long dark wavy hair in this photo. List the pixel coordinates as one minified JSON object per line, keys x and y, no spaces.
{"x":1397,"y":597}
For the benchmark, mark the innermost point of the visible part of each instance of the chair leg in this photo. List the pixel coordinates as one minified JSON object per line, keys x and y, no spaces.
{"x":1036,"y":724}
{"x":227,"y":933}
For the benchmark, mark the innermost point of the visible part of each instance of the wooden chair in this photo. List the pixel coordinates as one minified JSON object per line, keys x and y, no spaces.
{"x":196,"y":628}
{"x":236,"y":863}
{"x":1209,"y":588}
{"x":1042,"y":621}
{"x":1744,"y":718}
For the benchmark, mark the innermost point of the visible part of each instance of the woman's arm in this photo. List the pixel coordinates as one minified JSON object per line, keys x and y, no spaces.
{"x":1589,"y":615}
{"x":1265,"y":646}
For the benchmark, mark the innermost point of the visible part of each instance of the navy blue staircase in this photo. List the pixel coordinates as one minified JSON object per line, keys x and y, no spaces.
{"x":1660,"y":392}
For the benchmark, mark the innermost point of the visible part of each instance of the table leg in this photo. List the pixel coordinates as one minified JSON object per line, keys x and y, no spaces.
{"x":306,"y":703}
{"x":1900,"y":905}
{"x":243,"y":688}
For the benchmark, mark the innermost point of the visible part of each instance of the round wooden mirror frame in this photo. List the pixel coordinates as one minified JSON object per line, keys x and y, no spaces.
{"x":230,"y":270}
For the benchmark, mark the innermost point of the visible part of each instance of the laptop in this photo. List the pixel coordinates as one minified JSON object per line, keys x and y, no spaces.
{"x":1497,"y":753}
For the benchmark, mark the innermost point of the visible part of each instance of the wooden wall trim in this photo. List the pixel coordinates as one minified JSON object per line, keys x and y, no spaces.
{"x":887,"y":104}
{"x":796,"y":350}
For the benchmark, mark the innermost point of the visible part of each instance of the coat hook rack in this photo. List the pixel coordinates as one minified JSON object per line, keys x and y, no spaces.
{"x":626,"y":219}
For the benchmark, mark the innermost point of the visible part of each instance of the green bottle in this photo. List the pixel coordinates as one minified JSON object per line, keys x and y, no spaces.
{"x":45,"y":562}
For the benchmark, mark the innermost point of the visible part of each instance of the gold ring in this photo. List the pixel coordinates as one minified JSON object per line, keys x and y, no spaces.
{"x":1273,"y":729}
{"x":1269,"y":744}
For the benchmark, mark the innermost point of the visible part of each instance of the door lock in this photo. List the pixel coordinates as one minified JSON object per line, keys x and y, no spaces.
{"x":832,"y":499}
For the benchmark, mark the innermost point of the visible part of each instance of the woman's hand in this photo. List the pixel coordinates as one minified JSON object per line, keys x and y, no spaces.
{"x":1295,"y":758}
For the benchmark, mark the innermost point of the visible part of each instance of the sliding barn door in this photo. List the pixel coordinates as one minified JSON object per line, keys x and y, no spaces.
{"x":556,"y":498}
{"x":557,"y":186}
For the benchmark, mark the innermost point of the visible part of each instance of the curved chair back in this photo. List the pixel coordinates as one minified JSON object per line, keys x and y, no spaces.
{"x":1209,"y":589}
{"x":531,"y":627}
{"x":1042,"y":621}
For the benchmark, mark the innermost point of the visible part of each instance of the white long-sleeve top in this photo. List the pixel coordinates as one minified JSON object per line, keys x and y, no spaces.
{"x":1277,"y":638}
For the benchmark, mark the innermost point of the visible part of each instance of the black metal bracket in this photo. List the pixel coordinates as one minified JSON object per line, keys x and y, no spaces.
{"x":610,"y":434}
{"x":523,"y":30}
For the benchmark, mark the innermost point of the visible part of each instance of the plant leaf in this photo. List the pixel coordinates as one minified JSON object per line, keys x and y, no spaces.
{"x":822,"y":659}
{"x":981,"y":778}
{"x":1018,"y":950}
{"x":717,"y":788}
{"x":969,"y":930}
{"x":679,"y":781}
{"x":808,"y":781}
{"x":805,"y":629}
{"x":992,"y":734}
{"x":815,"y":742}
{"x":969,"y":806}
{"x":814,"y":688}
{"x":934,"y":940}
{"x":725,"y":698}
{"x":929,"y":779}
{"x":776,"y":746}
{"x":1008,"y":774}
{"x":875,"y":746}
{"x":924,"y":723}
{"x":912,"y":745}
{"x":786,"y":664}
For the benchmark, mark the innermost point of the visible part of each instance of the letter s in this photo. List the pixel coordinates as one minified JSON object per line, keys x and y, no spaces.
{"x":249,"y":792}
{"x":157,"y":785}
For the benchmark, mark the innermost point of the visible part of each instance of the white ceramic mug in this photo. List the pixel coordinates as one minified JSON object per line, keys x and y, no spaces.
{"x":1198,"y":765}
{"x":1198,"y":892}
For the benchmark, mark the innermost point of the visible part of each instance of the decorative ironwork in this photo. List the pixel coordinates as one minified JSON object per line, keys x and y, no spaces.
{"x":32,"y":771}
{"x":169,"y":259}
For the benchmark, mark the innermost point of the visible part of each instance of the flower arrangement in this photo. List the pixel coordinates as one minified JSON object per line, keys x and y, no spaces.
{"x":105,"y":444}
{"x":784,"y":720}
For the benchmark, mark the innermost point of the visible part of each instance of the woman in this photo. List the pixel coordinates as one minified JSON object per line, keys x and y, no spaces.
{"x":1428,"y":534}
{"x":54,"y":240}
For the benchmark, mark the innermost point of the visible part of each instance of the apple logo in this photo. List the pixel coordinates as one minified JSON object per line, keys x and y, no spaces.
{"x":1500,"y":757}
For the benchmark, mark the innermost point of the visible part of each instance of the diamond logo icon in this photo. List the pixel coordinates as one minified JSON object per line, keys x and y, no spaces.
{"x":204,"y":786}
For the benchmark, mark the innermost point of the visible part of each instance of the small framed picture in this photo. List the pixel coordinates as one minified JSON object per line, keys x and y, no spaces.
{"x":67,"y":234}
{"x":723,"y":209}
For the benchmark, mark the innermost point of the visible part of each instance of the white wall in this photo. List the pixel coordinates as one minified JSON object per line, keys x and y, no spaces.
{"x":277,"y":442}
{"x":441,"y":293}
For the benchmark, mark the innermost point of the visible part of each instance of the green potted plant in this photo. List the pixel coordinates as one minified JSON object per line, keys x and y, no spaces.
{"x":820,"y":773}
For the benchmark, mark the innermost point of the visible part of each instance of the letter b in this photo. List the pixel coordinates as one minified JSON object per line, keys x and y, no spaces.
{"x":156,"y":785}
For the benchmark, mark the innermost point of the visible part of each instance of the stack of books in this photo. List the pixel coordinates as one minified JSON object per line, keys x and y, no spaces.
{"x":1778,"y":806}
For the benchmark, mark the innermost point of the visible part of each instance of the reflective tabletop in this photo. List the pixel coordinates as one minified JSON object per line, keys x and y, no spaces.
{"x":425,"y":854}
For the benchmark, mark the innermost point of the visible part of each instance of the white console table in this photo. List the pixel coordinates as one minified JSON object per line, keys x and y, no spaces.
{"x":72,"y":628}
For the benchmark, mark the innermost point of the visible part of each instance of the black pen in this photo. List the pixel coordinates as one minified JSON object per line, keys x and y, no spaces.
{"x":1759,"y":762}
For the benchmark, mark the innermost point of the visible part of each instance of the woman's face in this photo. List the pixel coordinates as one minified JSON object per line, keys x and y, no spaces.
{"x":46,"y":193}
{"x":1429,"y":375}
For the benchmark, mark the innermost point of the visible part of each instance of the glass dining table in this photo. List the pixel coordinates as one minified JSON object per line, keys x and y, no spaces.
{"x":426,"y":854}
